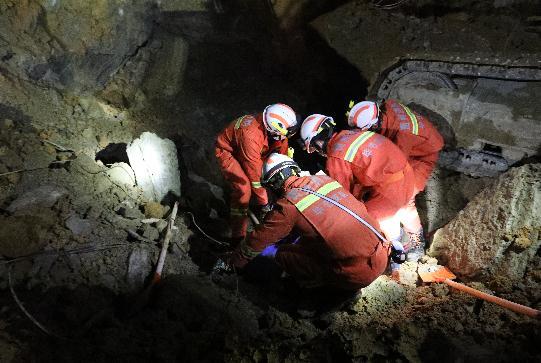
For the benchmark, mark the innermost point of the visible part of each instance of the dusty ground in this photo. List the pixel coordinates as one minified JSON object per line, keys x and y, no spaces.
{"x":84,"y":298}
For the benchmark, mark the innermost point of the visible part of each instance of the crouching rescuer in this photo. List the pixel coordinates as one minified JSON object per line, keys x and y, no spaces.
{"x":340,"y":245}
{"x":241,"y":149}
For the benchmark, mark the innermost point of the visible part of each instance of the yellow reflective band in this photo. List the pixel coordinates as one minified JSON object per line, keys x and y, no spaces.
{"x":281,"y":129}
{"x":413,"y":118}
{"x":355,"y":145}
{"x":256,"y":185}
{"x":239,"y":211}
{"x":311,"y":199}
{"x":351,"y":104}
{"x":290,"y":152}
{"x":238,"y":122}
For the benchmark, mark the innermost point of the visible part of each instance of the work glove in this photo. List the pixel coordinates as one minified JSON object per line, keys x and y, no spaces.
{"x":269,"y":251}
{"x":398,"y":255}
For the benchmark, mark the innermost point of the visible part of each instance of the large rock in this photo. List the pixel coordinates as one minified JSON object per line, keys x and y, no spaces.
{"x":498,"y":232}
{"x":75,"y":45}
{"x":155,"y":164}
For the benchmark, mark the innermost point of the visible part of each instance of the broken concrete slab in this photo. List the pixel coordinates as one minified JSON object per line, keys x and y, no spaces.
{"x":498,"y":232}
{"x":154,"y":161}
{"x":42,"y":197}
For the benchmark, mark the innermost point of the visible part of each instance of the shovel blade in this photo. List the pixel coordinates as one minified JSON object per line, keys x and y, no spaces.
{"x":435,"y":273}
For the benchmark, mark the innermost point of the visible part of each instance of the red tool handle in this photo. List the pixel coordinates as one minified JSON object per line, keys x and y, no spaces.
{"x":517,"y":308}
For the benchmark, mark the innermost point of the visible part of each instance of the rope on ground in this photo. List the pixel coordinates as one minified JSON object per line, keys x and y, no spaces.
{"x":38,"y":168}
{"x":85,"y":249}
{"x":28,"y":315}
{"x":382,"y":4}
{"x":206,"y":235}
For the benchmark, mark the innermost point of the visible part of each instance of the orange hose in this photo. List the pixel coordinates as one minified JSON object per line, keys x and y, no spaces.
{"x":518,"y":308}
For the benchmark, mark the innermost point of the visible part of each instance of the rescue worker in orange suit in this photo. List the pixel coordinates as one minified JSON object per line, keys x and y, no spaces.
{"x":368,"y":160}
{"x":418,"y":139}
{"x":241,"y":148}
{"x":334,"y":249}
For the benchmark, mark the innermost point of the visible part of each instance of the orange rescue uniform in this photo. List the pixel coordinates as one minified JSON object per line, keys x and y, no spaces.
{"x":240,"y":149}
{"x":415,"y":136}
{"x":334,"y":248}
{"x":369,"y":160}
{"x":420,"y":142}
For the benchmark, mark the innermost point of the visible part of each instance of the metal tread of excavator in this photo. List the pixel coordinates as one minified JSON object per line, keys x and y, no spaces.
{"x":488,"y":104}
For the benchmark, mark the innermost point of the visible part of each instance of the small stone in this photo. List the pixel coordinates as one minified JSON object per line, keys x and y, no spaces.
{"x":131,"y":213}
{"x":150,"y":232}
{"x":79,"y":226}
{"x":161,"y":225}
{"x":8,"y":123}
{"x":103,"y":141}
{"x":154,"y":210}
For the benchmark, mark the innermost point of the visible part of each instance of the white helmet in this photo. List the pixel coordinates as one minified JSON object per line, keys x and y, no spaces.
{"x":363,"y":115}
{"x":277,"y":169}
{"x":316,"y":127}
{"x":280,"y":121}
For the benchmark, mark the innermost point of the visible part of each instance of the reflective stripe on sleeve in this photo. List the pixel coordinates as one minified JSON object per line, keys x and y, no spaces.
{"x":256,"y":185}
{"x":238,"y":122}
{"x":311,"y":199}
{"x":413,"y":119}
{"x":356,"y":144}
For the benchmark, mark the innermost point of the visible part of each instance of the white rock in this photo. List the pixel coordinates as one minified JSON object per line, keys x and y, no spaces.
{"x":121,"y":173}
{"x":154,"y":161}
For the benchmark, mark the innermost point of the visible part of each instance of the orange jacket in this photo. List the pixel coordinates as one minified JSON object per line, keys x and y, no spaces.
{"x":418,"y":139}
{"x":350,"y":253}
{"x":411,"y":132}
{"x":246,"y":139}
{"x":365,"y":158}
